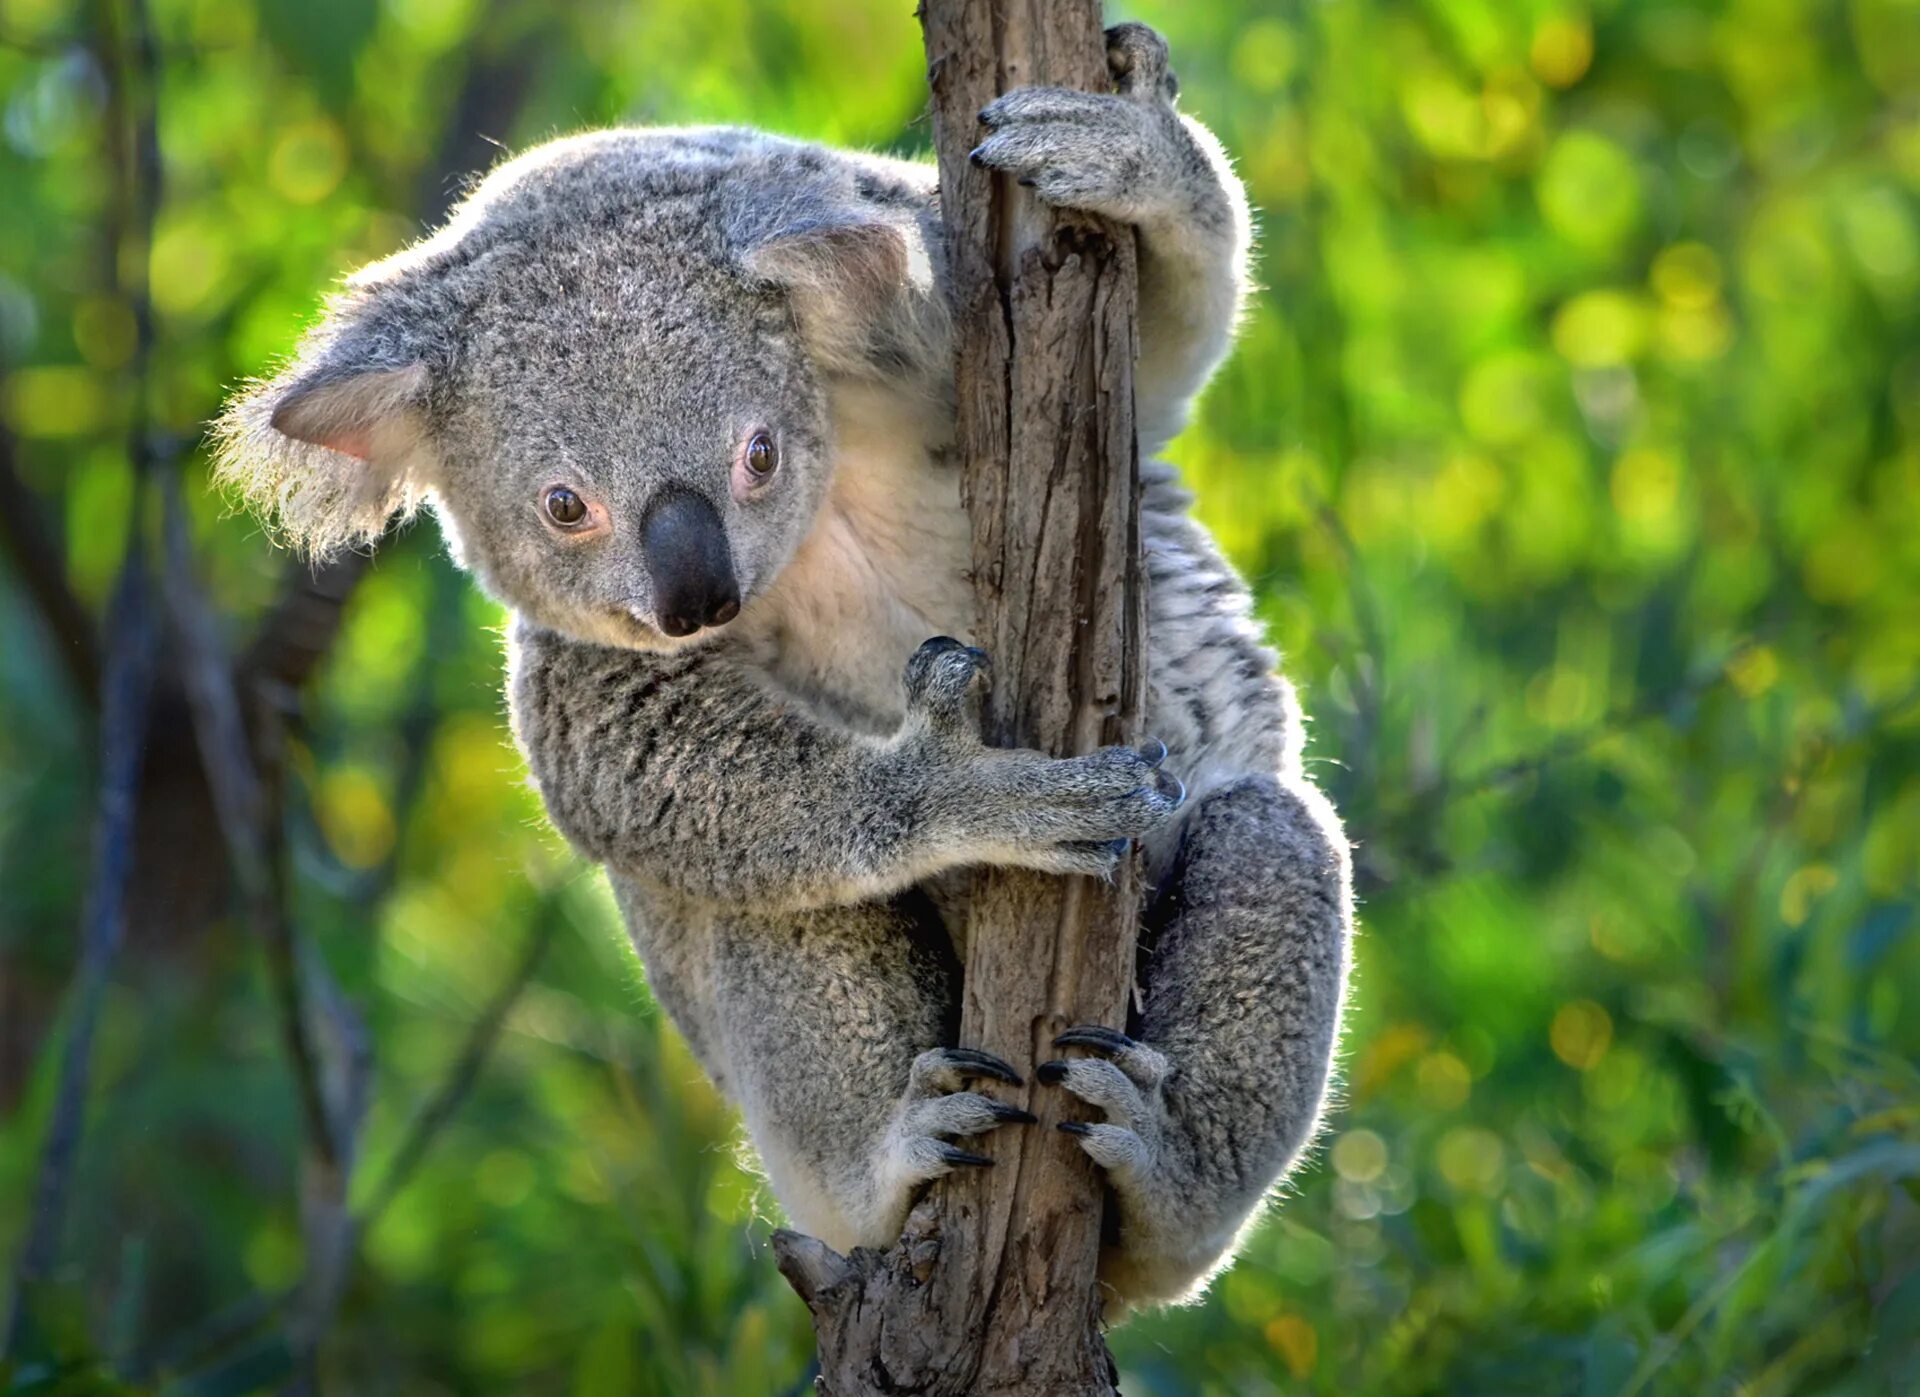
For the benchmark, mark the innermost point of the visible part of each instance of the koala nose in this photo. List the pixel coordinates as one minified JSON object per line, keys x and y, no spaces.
{"x":689,"y":563}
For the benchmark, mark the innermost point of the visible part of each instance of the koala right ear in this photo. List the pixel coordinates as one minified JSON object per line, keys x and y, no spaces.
{"x":333,"y":447}
{"x":862,"y":289}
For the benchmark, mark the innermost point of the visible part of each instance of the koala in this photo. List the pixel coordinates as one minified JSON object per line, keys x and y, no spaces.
{"x":682,"y":400}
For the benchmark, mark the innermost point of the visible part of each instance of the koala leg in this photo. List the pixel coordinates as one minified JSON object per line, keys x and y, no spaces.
{"x":1243,"y":1000}
{"x":837,"y":1023}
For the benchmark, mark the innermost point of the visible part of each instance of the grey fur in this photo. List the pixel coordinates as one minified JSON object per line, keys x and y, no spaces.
{"x":779,"y":813}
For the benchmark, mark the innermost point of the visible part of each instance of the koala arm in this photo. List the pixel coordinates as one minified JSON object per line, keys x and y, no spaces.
{"x":683,"y":771}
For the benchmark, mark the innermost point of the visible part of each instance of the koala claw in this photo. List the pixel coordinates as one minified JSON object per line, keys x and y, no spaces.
{"x":1154,"y":753}
{"x":971,"y":1062}
{"x":1109,"y":1040}
{"x":953,"y":1154}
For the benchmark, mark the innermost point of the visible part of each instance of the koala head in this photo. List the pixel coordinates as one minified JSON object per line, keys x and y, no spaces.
{"x":610,"y":374}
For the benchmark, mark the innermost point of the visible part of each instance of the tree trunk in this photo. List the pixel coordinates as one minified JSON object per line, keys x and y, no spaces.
{"x":992,"y":1289}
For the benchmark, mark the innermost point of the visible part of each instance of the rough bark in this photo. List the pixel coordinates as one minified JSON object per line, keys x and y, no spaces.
{"x":992,"y":1289}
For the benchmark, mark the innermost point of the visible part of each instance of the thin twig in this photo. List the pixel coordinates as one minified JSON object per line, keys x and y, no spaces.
{"x":445,"y":1102}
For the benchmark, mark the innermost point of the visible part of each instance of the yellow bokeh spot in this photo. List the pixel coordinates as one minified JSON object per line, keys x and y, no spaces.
{"x":308,"y":161}
{"x":1265,"y":55}
{"x":1581,"y":1034}
{"x":54,"y":400}
{"x":1562,"y":50}
{"x":1360,"y":1155}
{"x":1500,"y":399}
{"x":1692,"y":336}
{"x":104,"y":331}
{"x":354,"y":814}
{"x":436,"y":24}
{"x":1645,"y":485}
{"x":1754,"y":671}
{"x":1472,"y":1160}
{"x":1589,"y":190}
{"x":1296,"y":1342}
{"x":1385,"y":1055}
{"x":1844,"y":565}
{"x":1464,"y":494}
{"x":1444,"y":1081}
{"x":272,"y":1258}
{"x":1687,"y":275}
{"x":1456,"y":123}
{"x":1561,"y":697}
{"x":1805,"y":887}
{"x":31,"y":19}
{"x":1599,"y":329}
{"x":505,"y":1178}
{"x":189,"y":263}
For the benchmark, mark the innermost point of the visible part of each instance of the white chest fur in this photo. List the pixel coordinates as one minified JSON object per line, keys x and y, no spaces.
{"x":884,"y":568}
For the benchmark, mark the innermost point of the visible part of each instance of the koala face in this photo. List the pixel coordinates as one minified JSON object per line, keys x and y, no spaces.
{"x":632,"y":466}
{"x":608,"y":373}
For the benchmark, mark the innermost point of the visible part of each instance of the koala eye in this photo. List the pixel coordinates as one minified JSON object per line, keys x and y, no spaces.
{"x":763,"y":457}
{"x":565,"y":508}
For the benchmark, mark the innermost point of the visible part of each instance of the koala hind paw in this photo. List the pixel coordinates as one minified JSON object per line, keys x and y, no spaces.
{"x":919,"y":1147}
{"x":1125,"y":1083}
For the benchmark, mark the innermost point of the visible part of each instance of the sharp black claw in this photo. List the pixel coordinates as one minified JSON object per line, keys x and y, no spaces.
{"x":953,"y":1154}
{"x":1106,"y":1040}
{"x":1012,"y":1115}
{"x":983,"y":1065}
{"x":1026,"y":183}
{"x":1052,"y":1073}
{"x":974,"y":158}
{"x":1074,"y":1128}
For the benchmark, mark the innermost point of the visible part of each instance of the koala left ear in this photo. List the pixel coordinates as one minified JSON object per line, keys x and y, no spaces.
{"x":863,"y":292}
{"x":336,"y":445}
{"x":344,"y":413}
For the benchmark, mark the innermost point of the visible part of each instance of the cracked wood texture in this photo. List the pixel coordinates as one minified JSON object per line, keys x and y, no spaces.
{"x":992,"y":1288}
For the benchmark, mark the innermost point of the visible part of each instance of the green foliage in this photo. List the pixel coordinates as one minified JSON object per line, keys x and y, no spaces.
{"x":1574,"y":444}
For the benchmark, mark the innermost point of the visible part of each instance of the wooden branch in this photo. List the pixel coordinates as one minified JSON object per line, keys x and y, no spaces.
{"x":992,"y":1289}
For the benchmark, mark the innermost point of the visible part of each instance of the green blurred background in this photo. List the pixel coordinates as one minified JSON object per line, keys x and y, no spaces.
{"x":1573,"y":445}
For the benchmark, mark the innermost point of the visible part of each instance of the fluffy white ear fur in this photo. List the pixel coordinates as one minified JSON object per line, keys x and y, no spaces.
{"x":862,"y":291}
{"x":329,"y":454}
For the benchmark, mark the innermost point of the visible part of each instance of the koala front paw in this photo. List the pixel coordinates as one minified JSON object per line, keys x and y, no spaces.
{"x":1116,"y":155}
{"x":919,"y":1147}
{"x":1078,"y":814}
{"x":946,"y":682}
